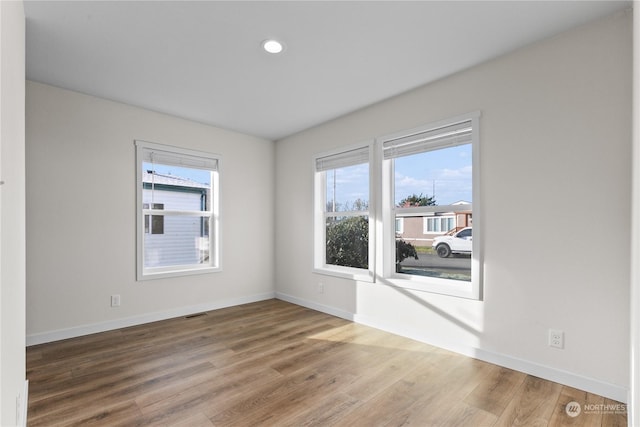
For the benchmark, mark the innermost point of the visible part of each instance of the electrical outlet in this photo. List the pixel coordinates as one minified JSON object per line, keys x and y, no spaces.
{"x":115,"y":300}
{"x":320,"y":288}
{"x":556,"y":338}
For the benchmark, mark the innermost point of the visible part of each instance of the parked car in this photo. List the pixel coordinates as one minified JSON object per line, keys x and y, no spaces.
{"x":459,"y":242}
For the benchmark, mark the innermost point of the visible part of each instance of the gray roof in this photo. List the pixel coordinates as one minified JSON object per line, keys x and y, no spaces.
{"x":161,"y":179}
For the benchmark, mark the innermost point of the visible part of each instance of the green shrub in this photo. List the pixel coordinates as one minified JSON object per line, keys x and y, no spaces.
{"x":348,"y":242}
{"x":404,"y":250}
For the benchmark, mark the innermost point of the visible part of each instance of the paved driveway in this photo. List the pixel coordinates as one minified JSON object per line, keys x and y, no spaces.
{"x":433,"y":265}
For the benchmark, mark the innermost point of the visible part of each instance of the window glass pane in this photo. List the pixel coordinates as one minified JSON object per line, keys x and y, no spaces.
{"x":185,"y":241}
{"x":348,"y":188}
{"x":172,"y":239}
{"x":415,"y":253}
{"x":437,"y":178}
{"x":440,"y":177}
{"x":171,"y":184}
{"x":347,"y":241}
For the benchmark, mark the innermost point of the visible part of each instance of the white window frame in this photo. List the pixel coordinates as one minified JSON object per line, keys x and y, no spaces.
{"x":143,"y":148}
{"x":472,"y":289}
{"x":320,"y":214}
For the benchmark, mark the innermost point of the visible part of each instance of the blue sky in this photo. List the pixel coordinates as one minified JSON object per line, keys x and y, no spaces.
{"x":447,"y":171}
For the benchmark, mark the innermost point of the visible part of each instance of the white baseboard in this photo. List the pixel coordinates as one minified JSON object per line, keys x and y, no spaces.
{"x":93,"y":328}
{"x":315,"y":306}
{"x":560,"y":376}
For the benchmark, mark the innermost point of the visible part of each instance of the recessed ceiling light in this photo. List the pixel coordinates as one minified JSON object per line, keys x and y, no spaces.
{"x":272,"y":46}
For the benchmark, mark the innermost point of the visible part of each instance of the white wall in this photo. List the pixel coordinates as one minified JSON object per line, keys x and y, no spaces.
{"x":81,"y":216}
{"x":555,"y":166}
{"x":12,"y":214}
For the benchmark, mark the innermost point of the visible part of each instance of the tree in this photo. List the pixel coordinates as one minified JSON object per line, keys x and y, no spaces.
{"x":415,"y":200}
{"x":357,"y":205}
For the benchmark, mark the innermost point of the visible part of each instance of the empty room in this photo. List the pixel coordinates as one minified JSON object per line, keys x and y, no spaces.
{"x":331,"y":213}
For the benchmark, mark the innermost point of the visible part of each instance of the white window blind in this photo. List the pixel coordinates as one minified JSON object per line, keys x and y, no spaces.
{"x":433,"y":139}
{"x":153,"y":153}
{"x":343,"y":159}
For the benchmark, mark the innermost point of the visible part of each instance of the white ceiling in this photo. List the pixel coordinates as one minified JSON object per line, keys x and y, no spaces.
{"x":203,"y":61}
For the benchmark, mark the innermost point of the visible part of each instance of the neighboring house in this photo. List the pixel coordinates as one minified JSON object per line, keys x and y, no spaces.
{"x":188,"y":233}
{"x":420,"y":230}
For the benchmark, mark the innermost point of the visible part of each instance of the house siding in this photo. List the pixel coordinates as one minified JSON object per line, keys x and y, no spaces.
{"x":180,"y":243}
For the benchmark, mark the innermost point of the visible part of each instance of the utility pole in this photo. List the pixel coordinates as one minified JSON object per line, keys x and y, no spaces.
{"x":334,"y":191}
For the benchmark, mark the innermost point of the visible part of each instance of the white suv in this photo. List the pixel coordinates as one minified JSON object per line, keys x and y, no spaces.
{"x":455,"y":243}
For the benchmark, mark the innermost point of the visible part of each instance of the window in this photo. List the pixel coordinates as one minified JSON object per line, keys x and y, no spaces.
{"x":440,"y":224}
{"x":156,"y":224}
{"x":178,"y":211}
{"x":343,"y":243}
{"x":430,"y":181}
{"x":421,"y":228}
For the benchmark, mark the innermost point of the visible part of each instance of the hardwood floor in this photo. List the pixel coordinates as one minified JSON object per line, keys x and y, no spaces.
{"x":277,"y":364}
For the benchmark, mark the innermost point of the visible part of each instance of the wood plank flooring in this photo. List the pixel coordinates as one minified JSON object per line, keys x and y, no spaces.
{"x":277,"y":364}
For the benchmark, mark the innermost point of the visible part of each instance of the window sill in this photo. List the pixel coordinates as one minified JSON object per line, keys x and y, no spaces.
{"x":347,"y":273}
{"x":151,"y":275}
{"x":454,"y":288}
